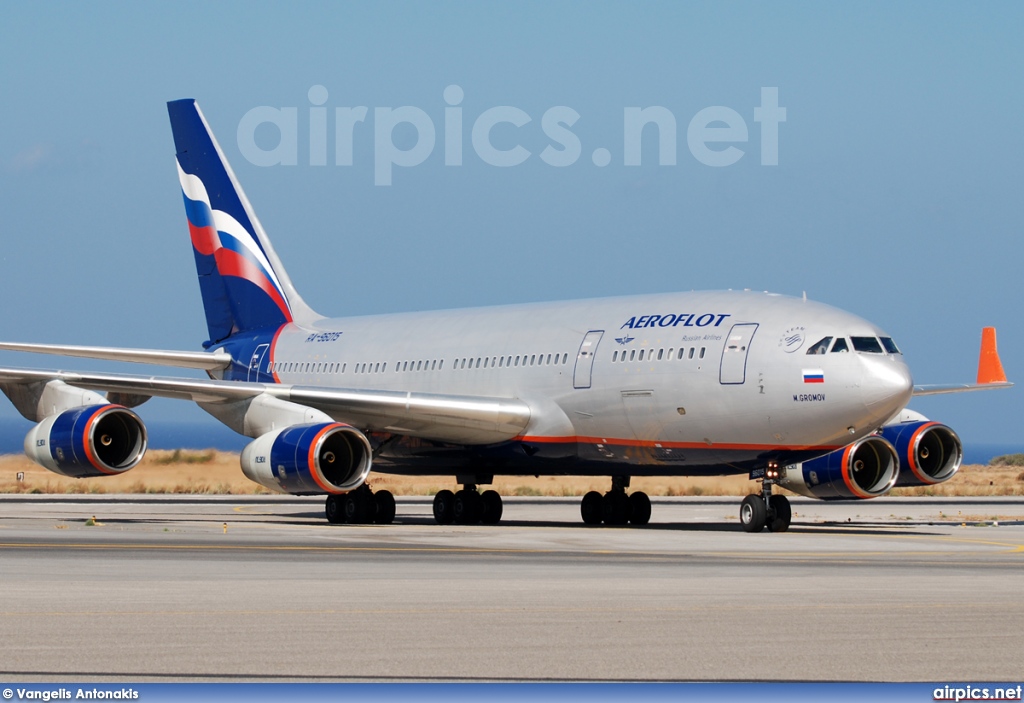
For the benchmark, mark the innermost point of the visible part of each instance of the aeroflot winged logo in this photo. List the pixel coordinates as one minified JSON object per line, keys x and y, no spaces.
{"x":684,"y":319}
{"x":234,"y":249}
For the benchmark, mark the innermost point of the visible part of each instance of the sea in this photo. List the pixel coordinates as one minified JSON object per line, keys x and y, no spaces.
{"x":212,"y":435}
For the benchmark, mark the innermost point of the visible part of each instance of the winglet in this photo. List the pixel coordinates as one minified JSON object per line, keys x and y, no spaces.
{"x":990,"y":369}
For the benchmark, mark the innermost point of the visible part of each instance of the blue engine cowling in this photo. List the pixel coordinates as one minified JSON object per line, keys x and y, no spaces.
{"x":868,"y":468}
{"x":93,"y":440}
{"x":309,"y":459}
{"x":929,"y":452}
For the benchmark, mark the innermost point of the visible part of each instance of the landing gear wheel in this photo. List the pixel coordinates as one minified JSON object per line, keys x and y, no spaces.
{"x":444,"y":504}
{"x":753,"y":513}
{"x":335,"y":509}
{"x":467,"y":507}
{"x":360,"y":508}
{"x":592,"y":508}
{"x":385,"y":501}
{"x":616,"y":508}
{"x":640,"y":508}
{"x":492,"y":508}
{"x":780,"y":513}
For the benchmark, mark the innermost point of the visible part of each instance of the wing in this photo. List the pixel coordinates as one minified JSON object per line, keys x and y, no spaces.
{"x":990,"y":371}
{"x":443,"y":418}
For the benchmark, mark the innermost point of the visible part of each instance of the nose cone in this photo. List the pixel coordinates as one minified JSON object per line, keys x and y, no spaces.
{"x":886,"y":386}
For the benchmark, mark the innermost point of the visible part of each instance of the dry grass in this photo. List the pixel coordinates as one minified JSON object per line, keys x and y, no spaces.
{"x":213,"y":472}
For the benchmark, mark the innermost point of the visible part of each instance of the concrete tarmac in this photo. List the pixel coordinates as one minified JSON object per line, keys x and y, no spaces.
{"x":157,"y":590}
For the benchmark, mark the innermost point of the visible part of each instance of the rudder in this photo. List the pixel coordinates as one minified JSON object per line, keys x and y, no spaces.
{"x":243,"y":284}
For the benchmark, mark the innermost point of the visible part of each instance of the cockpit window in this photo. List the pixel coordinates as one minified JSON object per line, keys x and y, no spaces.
{"x":819,"y":347}
{"x":890,"y":346}
{"x":840,"y":345}
{"x":866,"y":344}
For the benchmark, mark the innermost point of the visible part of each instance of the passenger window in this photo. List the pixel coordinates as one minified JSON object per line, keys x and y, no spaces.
{"x":840,"y":345}
{"x":866,"y":344}
{"x":632,"y":355}
{"x":702,"y":350}
{"x":820,"y":347}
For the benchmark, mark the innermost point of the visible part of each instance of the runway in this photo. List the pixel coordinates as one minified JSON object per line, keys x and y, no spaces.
{"x":263,"y":589}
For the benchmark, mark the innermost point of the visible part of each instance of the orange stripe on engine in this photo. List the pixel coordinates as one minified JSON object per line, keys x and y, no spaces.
{"x":90,"y":453}
{"x":847,"y":479}
{"x":921,"y":475}
{"x":314,"y":469}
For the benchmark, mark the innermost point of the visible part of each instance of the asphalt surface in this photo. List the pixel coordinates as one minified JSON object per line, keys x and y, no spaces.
{"x":160,"y":590}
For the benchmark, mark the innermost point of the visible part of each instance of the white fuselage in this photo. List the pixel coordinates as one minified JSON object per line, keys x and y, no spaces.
{"x":678,"y":383}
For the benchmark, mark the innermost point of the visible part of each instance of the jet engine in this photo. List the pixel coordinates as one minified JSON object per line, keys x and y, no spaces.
{"x":930,"y":452}
{"x":88,"y":441}
{"x":309,"y":459}
{"x":868,"y":468}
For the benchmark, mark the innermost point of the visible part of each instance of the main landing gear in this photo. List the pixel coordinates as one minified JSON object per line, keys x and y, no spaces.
{"x":467,"y":506}
{"x":758,"y":511}
{"x":361,"y":507}
{"x":615,"y":507}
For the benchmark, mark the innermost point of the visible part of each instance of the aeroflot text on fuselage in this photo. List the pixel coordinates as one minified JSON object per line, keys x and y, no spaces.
{"x":708,"y":319}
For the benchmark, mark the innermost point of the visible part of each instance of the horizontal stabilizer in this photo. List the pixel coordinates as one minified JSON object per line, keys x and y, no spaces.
{"x":990,"y":371}
{"x":205,"y":361}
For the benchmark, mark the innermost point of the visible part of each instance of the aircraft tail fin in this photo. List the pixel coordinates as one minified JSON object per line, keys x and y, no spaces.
{"x":243,"y":284}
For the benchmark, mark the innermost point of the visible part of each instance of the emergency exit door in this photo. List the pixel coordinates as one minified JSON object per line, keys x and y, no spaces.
{"x":585,"y":359}
{"x":734,"y":356}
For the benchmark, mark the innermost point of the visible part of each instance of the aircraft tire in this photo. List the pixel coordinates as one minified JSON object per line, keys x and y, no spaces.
{"x":335,"y":509}
{"x":640,"y":508}
{"x":492,"y":508}
{"x":360,"y":507}
{"x":753,"y":513}
{"x":444,"y":502}
{"x":592,"y":508}
{"x":467,"y":507}
{"x":616,"y":508}
{"x":780,"y":513}
{"x":385,"y":501}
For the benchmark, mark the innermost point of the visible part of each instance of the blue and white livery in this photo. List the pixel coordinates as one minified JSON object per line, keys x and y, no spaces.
{"x":793,"y":393}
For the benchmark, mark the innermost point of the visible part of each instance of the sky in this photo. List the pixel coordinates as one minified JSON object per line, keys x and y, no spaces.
{"x":892,"y":189}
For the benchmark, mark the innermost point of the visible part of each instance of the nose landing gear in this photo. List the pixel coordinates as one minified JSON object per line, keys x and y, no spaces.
{"x":758,"y":511}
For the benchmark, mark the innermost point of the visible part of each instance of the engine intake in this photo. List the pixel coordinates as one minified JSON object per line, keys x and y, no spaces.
{"x":930,"y":452}
{"x":90,"y":441}
{"x":309,"y":459}
{"x":868,"y":468}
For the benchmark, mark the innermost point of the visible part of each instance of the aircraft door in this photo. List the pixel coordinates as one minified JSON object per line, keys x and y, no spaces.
{"x":585,"y":359}
{"x":734,"y":355}
{"x":256,"y":360}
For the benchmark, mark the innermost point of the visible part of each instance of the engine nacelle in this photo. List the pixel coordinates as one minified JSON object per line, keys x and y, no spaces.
{"x":929,"y":452}
{"x":309,"y":459}
{"x":868,"y":468}
{"x":93,"y":440}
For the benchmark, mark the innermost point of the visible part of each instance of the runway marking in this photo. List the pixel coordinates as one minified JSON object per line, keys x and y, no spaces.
{"x":848,"y":557}
{"x":531,"y":608}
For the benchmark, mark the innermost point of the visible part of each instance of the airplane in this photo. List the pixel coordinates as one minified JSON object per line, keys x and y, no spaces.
{"x":792,"y":392}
